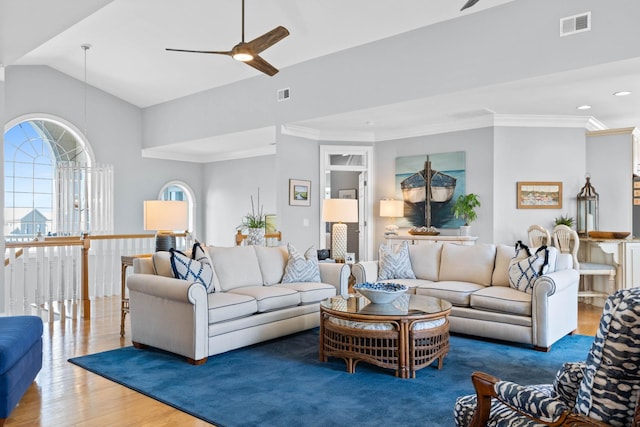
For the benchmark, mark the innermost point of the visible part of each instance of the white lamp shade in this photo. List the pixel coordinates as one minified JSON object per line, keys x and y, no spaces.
{"x":166,"y":215}
{"x":340,"y":210}
{"x":392,"y":208}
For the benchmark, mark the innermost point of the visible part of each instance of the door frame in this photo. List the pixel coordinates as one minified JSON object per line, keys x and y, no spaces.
{"x":365,"y":223}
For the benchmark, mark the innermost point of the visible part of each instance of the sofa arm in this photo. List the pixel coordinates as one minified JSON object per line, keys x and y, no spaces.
{"x":336,"y":274}
{"x":554,"y":307}
{"x":365,"y":271}
{"x":169,"y":314}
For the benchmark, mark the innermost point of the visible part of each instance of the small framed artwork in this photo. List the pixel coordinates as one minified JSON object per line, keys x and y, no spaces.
{"x":349,"y":257}
{"x":299,"y":192}
{"x":270,"y":221}
{"x":539,"y":195}
{"x":347,"y":194}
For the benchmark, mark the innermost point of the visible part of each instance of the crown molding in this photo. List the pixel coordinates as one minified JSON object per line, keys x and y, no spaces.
{"x":158,"y":153}
{"x":487,"y":120}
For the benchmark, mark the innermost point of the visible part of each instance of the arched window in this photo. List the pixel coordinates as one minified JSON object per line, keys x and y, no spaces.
{"x":40,"y":154}
{"x":178,"y":190}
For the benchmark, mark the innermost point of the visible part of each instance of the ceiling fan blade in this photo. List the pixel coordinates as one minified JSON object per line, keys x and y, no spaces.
{"x":201,"y":51}
{"x":267,"y":40}
{"x":469,"y":4}
{"x":261,"y":65}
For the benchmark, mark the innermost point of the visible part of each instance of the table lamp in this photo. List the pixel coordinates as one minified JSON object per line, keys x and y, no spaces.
{"x":391,"y":209}
{"x":165,"y":216}
{"x":339,"y":211}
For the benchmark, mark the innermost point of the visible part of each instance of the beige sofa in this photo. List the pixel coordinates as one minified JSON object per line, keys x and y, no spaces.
{"x":475,"y":280}
{"x":250,"y":303}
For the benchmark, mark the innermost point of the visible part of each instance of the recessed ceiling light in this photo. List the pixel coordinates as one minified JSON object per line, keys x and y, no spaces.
{"x":622,"y":93}
{"x":584,"y":107}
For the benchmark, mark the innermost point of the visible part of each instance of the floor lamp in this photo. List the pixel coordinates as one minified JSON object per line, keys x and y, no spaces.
{"x":391,"y":209}
{"x":165,"y":216}
{"x":339,"y":211}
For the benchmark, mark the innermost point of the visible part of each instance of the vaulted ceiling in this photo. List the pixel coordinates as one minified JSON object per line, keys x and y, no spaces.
{"x":128,"y":57}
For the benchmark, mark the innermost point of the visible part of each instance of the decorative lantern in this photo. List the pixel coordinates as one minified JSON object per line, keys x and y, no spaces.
{"x":587,"y":209}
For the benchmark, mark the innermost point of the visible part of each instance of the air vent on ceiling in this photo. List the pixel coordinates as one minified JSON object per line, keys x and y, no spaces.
{"x":284,"y":94}
{"x":575,"y":24}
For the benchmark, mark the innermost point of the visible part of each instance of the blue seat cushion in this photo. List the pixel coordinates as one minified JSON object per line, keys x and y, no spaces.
{"x":18,"y":334}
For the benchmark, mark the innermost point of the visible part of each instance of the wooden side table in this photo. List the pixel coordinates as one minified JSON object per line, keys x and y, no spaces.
{"x":126,"y":261}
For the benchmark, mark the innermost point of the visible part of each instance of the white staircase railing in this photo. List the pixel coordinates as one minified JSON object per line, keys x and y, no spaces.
{"x":57,"y":278}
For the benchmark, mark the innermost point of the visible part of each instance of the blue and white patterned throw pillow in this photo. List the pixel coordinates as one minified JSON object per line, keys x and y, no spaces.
{"x":301,"y":268}
{"x":195,"y":270}
{"x":394,"y":262}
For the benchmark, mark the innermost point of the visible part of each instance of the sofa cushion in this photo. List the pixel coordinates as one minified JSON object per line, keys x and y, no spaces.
{"x":467,"y":263}
{"x":425,"y":260}
{"x":301,"y":268}
{"x":503,"y":300}
{"x":457,"y":293}
{"x":504,"y":253}
{"x":187,"y":268}
{"x":227,"y":305}
{"x":272,"y":261}
{"x":162,"y":264}
{"x":270,"y":297}
{"x":311,"y":292}
{"x":235,"y":266}
{"x":394,"y":262}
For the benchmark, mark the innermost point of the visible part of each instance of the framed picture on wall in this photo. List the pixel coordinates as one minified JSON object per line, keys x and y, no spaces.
{"x":539,"y":195}
{"x":347,"y":194}
{"x":299,"y":192}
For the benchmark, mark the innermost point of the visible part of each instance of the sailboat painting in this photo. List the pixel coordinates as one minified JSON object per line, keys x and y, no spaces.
{"x":447,"y":176}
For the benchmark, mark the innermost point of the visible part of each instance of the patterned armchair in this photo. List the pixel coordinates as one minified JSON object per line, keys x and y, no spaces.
{"x":603,"y":390}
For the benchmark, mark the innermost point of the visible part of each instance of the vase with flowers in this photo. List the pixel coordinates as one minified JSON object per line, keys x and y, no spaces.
{"x":254,"y":223}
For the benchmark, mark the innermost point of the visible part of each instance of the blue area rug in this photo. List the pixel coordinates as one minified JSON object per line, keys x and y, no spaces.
{"x":282,"y":382}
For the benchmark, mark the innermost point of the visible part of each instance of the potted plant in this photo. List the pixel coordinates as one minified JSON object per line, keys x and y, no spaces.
{"x":565,"y":220}
{"x":254,"y":222}
{"x":464,"y":208}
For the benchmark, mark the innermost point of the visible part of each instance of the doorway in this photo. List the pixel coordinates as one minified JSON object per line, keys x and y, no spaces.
{"x":344,"y":173}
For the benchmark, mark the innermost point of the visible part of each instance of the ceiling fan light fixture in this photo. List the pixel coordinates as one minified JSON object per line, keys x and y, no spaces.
{"x":242,"y":56}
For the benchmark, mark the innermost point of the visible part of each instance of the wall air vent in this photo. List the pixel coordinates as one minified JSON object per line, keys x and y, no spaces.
{"x":284,"y":94}
{"x":575,"y":24}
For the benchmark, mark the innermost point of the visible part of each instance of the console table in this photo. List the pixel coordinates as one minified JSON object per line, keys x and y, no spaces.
{"x":624,"y":254}
{"x":126,"y":261}
{"x":414,"y":239}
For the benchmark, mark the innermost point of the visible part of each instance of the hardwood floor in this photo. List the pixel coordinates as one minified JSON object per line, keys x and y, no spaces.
{"x":66,"y":395}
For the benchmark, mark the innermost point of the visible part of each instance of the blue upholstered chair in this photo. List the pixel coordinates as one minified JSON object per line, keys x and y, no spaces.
{"x":20,"y":359}
{"x":603,"y":390}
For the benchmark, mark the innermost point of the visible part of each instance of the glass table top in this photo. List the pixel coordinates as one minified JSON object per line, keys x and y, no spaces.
{"x":406,"y":304}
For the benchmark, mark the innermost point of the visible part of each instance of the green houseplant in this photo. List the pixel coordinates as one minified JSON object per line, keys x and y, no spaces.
{"x":254,"y":222}
{"x":565,"y":220}
{"x":465,"y":208}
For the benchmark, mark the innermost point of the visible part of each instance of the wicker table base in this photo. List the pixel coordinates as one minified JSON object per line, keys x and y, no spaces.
{"x":397,"y":344}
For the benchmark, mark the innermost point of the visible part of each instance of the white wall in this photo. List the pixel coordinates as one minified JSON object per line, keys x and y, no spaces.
{"x":298,"y":158}
{"x":229,"y":187}
{"x":534,"y":154}
{"x":114,"y":131}
{"x":610,"y":163}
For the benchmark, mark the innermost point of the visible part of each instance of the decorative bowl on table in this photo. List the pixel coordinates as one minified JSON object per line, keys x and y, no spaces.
{"x":609,"y":234}
{"x":380,"y":293}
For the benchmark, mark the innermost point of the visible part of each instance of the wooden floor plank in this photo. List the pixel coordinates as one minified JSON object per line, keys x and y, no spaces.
{"x":66,"y":395}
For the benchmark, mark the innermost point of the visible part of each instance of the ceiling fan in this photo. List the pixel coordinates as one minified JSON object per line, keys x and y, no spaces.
{"x":249,"y":52}
{"x":469,"y":4}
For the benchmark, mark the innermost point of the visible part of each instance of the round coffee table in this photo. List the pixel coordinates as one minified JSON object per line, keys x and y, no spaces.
{"x":405,"y":335}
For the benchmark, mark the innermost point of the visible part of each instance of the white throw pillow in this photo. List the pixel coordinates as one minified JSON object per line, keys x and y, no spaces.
{"x":301,"y":268}
{"x":394,"y":262}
